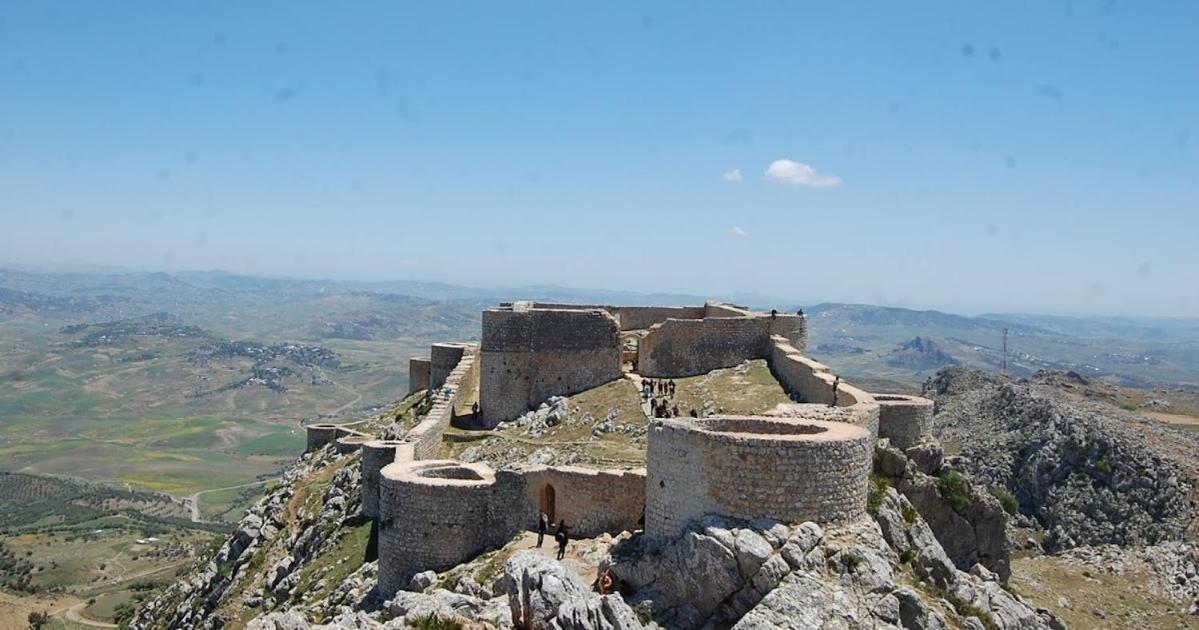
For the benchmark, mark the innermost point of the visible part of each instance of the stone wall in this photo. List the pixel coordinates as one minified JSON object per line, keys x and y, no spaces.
{"x":351,"y":443}
{"x":749,"y":467}
{"x":688,"y":347}
{"x":434,"y":515}
{"x":319,"y":435}
{"x":717,"y":309}
{"x":426,"y":436}
{"x":630,"y":317}
{"x":437,"y":514}
{"x":443,"y":358}
{"x":905,"y":420}
{"x":811,"y":382}
{"x":528,"y":355}
{"x":419,"y":370}
{"x":377,"y":454}
{"x":591,"y":501}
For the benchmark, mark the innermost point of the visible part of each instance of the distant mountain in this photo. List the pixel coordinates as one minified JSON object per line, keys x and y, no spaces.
{"x":920,"y":353}
{"x":1129,"y":328}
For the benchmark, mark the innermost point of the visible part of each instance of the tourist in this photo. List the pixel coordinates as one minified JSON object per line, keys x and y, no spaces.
{"x":543,"y":524}
{"x":774,"y":313}
{"x":694,"y":413}
{"x":674,"y":411}
{"x":474,"y":412}
{"x":836,"y":384}
{"x":672,"y":388}
{"x":563,"y":537}
{"x":606,"y":582}
{"x":799,"y":312}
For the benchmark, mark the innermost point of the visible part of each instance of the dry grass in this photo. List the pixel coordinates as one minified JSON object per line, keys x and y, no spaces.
{"x":1124,"y":601}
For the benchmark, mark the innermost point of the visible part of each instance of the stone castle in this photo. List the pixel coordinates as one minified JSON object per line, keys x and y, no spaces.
{"x":807,"y":461}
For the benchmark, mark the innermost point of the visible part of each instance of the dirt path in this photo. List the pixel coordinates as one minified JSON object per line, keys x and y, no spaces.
{"x":72,"y":614}
{"x":1171,"y":418}
{"x":193,"y":500}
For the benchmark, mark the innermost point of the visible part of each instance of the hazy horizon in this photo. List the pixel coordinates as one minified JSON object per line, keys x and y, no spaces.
{"x":1030,"y":158}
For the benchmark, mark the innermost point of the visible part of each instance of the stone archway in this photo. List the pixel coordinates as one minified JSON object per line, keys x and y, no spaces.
{"x":548,"y":500}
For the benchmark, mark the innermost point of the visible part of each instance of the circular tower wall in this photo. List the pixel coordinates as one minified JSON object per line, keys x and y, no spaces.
{"x":791,"y":470}
{"x":434,"y":514}
{"x":905,"y":420}
{"x":320,"y":434}
{"x":376,"y":454}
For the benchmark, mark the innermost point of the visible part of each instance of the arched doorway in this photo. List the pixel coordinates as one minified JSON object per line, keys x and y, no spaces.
{"x":547,"y":501}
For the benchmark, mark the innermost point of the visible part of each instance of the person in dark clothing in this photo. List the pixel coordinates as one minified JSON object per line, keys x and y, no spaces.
{"x":694,"y":413}
{"x":474,"y":412}
{"x":563,"y":537}
{"x":672,"y":388}
{"x":543,"y":525}
{"x":799,"y":312}
{"x":774,"y":313}
{"x":674,"y":411}
{"x":836,"y":384}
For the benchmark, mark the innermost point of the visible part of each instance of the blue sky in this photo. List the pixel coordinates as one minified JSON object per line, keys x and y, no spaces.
{"x":968,"y":156}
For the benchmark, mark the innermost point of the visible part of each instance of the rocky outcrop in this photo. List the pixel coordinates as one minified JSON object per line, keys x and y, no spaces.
{"x":967,"y":520}
{"x":767,"y":575}
{"x":247,"y":564}
{"x":1084,"y":471}
{"x":543,"y":593}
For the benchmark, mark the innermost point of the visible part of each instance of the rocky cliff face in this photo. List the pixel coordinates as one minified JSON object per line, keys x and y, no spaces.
{"x":1089,"y":474}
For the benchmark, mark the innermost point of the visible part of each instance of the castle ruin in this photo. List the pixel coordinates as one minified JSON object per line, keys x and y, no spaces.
{"x":808,"y":460}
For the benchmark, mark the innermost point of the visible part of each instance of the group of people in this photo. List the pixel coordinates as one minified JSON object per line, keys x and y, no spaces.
{"x":658,"y":393}
{"x":561,"y":533}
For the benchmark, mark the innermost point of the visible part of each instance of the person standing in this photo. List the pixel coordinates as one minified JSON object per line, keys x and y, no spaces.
{"x":543,"y":524}
{"x":563,"y":537}
{"x":836,"y":384}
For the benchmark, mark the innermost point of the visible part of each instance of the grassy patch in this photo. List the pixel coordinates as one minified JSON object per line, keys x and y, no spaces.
{"x":955,"y":489}
{"x":336,"y":565}
{"x":1006,"y":499}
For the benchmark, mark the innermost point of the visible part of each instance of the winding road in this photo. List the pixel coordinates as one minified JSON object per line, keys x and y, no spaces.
{"x":193,"y":500}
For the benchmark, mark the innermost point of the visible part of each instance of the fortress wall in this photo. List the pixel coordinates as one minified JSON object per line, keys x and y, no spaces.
{"x":746,"y":467}
{"x":812,"y":382}
{"x":376,"y":454}
{"x":319,"y":435}
{"x":443,"y":358}
{"x":591,"y":501}
{"x":436,"y":514}
{"x":351,"y":443}
{"x":905,"y":420}
{"x":419,"y":371}
{"x":642,"y":317}
{"x":679,"y":347}
{"x":527,"y":356}
{"x":717,"y":309}
{"x":426,"y":436}
{"x":629,"y":317}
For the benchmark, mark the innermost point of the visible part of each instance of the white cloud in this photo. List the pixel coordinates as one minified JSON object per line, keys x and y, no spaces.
{"x":799,"y":174}
{"x":737,"y":231}
{"x":732,"y":176}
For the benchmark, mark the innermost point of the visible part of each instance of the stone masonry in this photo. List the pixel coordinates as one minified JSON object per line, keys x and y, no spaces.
{"x":747,"y":467}
{"x":806,"y":461}
{"x":905,"y":420}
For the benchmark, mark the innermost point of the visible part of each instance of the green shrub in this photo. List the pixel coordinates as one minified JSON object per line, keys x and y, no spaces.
{"x":878,"y":490}
{"x":909,"y":514}
{"x":1105,"y":465}
{"x":434,"y":621}
{"x":955,"y":489}
{"x":1006,"y":499}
